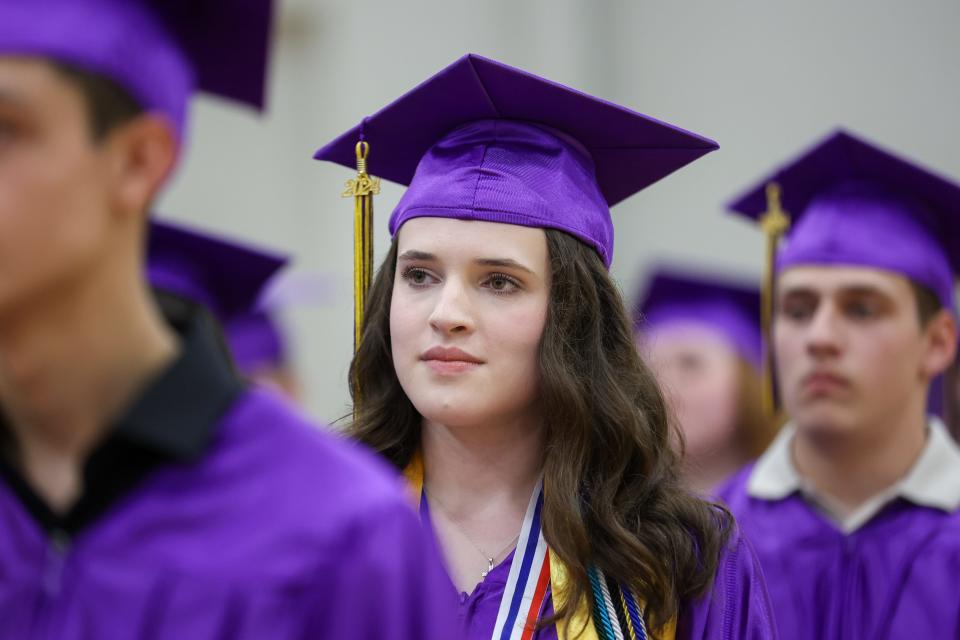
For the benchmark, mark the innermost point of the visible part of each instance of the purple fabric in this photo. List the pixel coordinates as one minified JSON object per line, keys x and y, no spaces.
{"x":158,"y":50}
{"x":227,"y":41}
{"x":736,"y":607}
{"x":321,"y":545}
{"x":256,"y":341}
{"x":257,"y":338}
{"x":477,"y":611}
{"x":225,"y":276}
{"x":857,"y":224}
{"x":510,"y":172}
{"x":855,"y":204}
{"x":676,"y":297}
{"x":558,"y":159}
{"x":896,"y":577}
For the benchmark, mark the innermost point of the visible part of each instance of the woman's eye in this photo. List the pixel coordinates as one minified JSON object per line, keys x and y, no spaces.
{"x":502,"y":283}
{"x":417,"y":276}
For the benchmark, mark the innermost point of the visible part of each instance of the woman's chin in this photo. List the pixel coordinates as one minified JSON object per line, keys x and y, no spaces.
{"x":465,"y":406}
{"x":454,"y":415}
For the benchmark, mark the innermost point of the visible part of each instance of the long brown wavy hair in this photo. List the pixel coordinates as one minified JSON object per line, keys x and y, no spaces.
{"x":613,"y":499}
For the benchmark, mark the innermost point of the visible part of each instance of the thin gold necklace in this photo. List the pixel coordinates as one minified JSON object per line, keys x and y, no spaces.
{"x":488,"y":557}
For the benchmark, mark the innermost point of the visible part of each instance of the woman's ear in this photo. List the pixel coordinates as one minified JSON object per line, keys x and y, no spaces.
{"x":143,"y":153}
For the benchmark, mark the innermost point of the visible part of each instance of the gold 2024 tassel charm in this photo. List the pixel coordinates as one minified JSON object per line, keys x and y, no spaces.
{"x":362,"y":189}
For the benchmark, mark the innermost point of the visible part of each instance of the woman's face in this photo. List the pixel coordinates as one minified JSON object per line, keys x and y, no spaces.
{"x":469,"y":307}
{"x":700,"y":375}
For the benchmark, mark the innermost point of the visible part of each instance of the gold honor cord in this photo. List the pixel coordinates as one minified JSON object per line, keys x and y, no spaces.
{"x":361,"y":189}
{"x":774,"y":222}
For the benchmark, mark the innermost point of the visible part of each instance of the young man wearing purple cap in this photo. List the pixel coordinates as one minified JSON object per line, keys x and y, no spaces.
{"x":855,"y":509}
{"x":144,"y":491}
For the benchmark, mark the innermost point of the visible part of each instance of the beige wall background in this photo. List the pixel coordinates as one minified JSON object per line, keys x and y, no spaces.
{"x":763,"y":78}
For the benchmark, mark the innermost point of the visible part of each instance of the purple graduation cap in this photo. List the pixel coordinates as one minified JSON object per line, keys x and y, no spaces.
{"x":256,"y":341}
{"x":484,"y":141}
{"x":853,"y":203}
{"x":681,"y":297}
{"x":160,"y":51}
{"x":257,"y":338}
{"x":223,"y":275}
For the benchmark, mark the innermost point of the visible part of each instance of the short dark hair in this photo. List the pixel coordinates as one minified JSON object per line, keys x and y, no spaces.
{"x":108,"y":104}
{"x":928,"y":304}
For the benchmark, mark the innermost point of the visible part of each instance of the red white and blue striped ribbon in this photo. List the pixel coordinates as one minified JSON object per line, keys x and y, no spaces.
{"x":529,"y":577}
{"x":617,"y":612}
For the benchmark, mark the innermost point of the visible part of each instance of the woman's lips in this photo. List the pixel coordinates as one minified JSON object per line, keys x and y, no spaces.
{"x":450,"y":360}
{"x":450,"y":367}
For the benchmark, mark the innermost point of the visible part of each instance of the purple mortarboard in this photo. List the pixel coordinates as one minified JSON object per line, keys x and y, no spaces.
{"x":852,"y":203}
{"x":256,"y":341}
{"x":675,"y":297}
{"x":160,"y":51}
{"x":257,"y":338}
{"x":484,"y":141}
{"x":224,"y":276}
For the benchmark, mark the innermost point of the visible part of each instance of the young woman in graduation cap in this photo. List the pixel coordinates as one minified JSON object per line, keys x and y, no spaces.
{"x":700,"y":333}
{"x":497,"y":369}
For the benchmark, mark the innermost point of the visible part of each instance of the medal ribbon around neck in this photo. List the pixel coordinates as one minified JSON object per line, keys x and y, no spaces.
{"x":617,"y":612}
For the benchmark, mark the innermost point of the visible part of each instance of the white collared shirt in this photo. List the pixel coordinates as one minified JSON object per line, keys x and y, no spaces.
{"x":933,"y":481}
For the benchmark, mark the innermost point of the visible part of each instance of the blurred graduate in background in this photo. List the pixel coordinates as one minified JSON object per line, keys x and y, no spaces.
{"x":260,"y":339}
{"x":247,"y":288}
{"x":854,"y":509}
{"x":259,"y":344}
{"x":188,"y":267}
{"x":700,"y":333}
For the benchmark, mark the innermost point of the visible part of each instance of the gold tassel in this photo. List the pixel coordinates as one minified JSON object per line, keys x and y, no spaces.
{"x":361,"y":189}
{"x":774,"y":222}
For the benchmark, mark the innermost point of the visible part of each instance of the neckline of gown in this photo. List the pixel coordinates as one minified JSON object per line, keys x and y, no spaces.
{"x":497,"y":577}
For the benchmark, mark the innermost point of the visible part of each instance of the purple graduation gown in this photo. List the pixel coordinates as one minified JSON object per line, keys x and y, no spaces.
{"x":898,"y":576}
{"x":736,"y":607}
{"x":276,"y":530}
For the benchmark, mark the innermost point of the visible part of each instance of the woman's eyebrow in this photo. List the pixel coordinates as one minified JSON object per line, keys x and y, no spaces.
{"x":413,"y":254}
{"x":506,"y":263}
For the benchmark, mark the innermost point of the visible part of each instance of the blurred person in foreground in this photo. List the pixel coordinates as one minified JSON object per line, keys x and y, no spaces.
{"x":145,"y":491}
